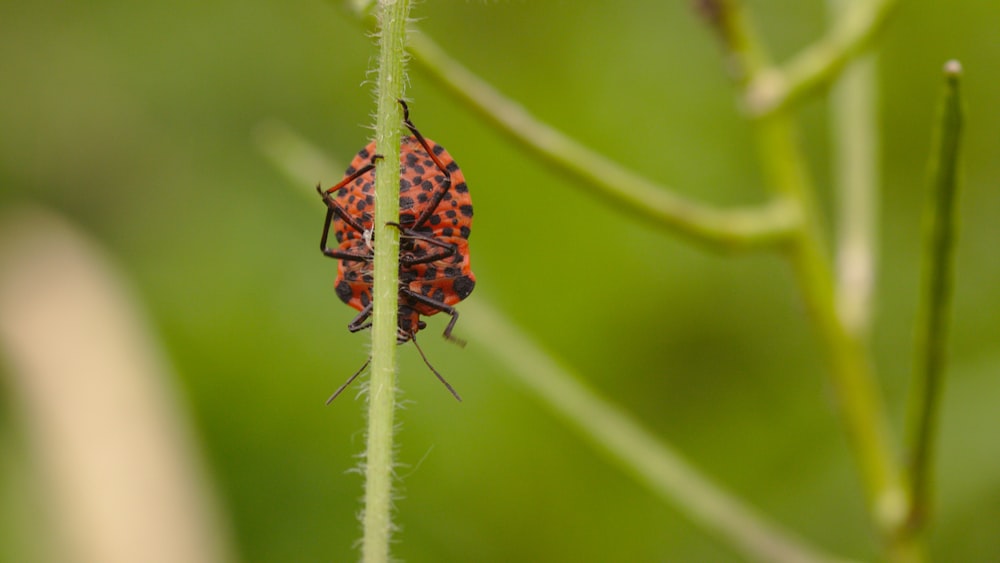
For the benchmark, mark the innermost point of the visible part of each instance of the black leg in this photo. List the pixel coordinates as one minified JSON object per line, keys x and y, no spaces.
{"x":338,"y":254}
{"x":429,"y":366}
{"x":445,"y":185}
{"x":342,"y":255}
{"x":435,"y":304}
{"x":349,"y":381}
{"x":359,"y":322}
{"x":334,"y":208}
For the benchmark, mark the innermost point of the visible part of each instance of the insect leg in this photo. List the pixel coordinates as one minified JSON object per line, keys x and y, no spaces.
{"x":435,"y":304}
{"x":334,"y":208}
{"x":445,"y":184}
{"x":359,"y":322}
{"x":429,"y":366}
{"x":349,"y":381}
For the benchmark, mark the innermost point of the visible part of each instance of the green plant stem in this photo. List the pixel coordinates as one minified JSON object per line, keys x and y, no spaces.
{"x":859,"y":401}
{"x":728,"y":19}
{"x":377,"y":522}
{"x":854,"y":135}
{"x":775,"y":88}
{"x":736,"y":229}
{"x":932,"y":326}
{"x":629,"y":445}
{"x":856,"y":177}
{"x":858,"y":398}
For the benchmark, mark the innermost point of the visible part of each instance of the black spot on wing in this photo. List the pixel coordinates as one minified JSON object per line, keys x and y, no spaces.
{"x":463,"y":286}
{"x":344,"y":292}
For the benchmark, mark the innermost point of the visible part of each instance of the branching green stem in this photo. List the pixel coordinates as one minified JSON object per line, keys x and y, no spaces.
{"x":859,"y":400}
{"x":377,"y":521}
{"x":775,"y":88}
{"x":932,"y":326}
{"x":737,"y":229}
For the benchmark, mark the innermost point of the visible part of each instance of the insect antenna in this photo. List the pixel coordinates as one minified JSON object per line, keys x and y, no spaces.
{"x":439,"y":376}
{"x":349,"y":381}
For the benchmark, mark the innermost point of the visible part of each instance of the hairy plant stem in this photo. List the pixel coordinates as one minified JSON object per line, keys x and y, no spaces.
{"x":377,"y":522}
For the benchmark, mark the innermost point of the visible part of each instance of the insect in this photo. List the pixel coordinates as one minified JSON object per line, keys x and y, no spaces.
{"x":435,"y":220}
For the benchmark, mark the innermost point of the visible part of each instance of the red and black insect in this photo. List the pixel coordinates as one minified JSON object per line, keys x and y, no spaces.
{"x":435,"y":220}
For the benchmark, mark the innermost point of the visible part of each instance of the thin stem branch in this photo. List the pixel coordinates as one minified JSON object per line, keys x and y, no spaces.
{"x":737,"y":229}
{"x":775,"y":88}
{"x":377,"y":521}
{"x":728,"y":19}
{"x":856,"y":176}
{"x":932,"y":327}
{"x":854,"y":132}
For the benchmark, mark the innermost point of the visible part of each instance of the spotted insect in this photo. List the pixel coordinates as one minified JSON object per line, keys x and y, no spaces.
{"x":435,"y":221}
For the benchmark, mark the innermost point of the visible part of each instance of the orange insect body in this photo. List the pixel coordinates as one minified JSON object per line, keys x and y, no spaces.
{"x":444,"y":207}
{"x":435,"y":221}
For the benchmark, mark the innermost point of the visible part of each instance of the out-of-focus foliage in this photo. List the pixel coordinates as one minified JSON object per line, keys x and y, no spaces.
{"x":137,"y":120}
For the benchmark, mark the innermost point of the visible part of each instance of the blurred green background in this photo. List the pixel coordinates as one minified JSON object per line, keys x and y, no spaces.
{"x":137,"y":121}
